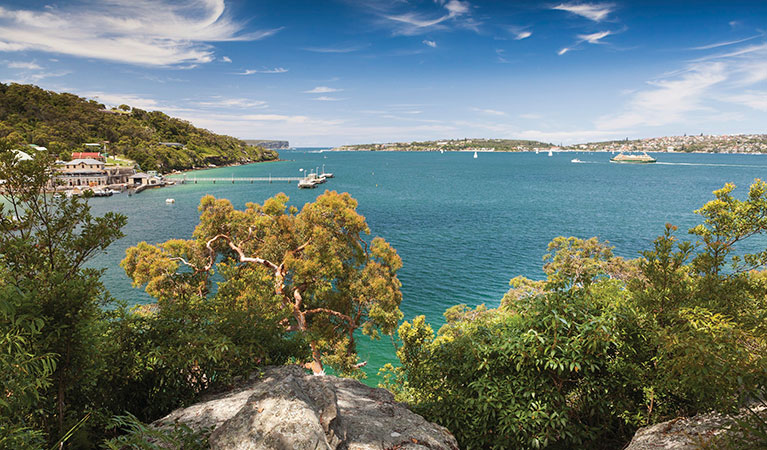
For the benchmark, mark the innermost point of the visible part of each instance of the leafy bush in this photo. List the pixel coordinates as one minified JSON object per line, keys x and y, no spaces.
{"x":603,"y":345}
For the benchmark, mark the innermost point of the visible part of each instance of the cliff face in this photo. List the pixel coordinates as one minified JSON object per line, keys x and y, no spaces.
{"x":269,"y":145}
{"x":290,"y":409}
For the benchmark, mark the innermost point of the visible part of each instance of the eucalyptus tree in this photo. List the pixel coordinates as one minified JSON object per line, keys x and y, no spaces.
{"x":313,"y":268}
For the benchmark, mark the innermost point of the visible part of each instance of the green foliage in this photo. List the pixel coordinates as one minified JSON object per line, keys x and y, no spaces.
{"x":138,"y":436}
{"x":24,"y":375}
{"x":44,"y":243}
{"x":164,"y":357}
{"x":64,"y":122}
{"x":309,"y":270}
{"x":603,"y":345}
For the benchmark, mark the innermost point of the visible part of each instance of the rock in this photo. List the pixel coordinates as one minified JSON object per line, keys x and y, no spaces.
{"x":290,"y":409}
{"x":685,"y":433}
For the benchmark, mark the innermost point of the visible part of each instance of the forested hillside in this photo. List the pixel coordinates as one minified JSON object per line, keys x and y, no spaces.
{"x":64,"y":122}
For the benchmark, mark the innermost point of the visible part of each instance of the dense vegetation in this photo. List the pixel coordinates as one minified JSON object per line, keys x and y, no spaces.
{"x":603,"y":345}
{"x":64,"y":122}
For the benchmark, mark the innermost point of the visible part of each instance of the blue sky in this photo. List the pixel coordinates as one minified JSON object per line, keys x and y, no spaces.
{"x":323,"y":73}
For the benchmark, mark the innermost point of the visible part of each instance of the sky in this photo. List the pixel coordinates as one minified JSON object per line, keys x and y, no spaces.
{"x":334,"y":72}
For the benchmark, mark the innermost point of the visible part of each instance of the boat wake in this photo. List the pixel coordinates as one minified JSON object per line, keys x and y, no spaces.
{"x":708,"y":165}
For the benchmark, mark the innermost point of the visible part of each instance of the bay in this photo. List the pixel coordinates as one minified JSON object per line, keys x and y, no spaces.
{"x":462,"y":226}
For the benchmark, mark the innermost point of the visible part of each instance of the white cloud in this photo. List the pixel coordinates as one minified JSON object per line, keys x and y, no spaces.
{"x":563,"y":51}
{"x":233,"y":103}
{"x":412,"y":23}
{"x":492,"y":112}
{"x":432,"y":44}
{"x":592,"y":11}
{"x":325,"y":98}
{"x":726,"y":43}
{"x":594,"y":38}
{"x":753,"y":99}
{"x":670,"y":100}
{"x":23,"y":65}
{"x":141,"y":32}
{"x":322,"y":90}
{"x":226,"y":59}
{"x":253,"y":71}
{"x":518,"y":36}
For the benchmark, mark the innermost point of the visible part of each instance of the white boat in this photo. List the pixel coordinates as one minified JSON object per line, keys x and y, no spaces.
{"x":575,"y":160}
{"x":536,"y":151}
{"x":170,"y":200}
{"x":306,"y":184}
{"x":475,"y":155}
{"x":551,"y":153}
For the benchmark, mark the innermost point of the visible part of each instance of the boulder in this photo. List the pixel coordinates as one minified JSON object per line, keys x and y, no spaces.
{"x":287,"y":408}
{"x":687,"y":433}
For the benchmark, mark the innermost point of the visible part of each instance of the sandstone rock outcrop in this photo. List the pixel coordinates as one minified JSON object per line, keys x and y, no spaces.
{"x":686,"y":433}
{"x":290,"y":409}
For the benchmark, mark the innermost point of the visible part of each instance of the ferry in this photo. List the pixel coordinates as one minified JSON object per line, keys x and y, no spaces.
{"x":644,"y":158}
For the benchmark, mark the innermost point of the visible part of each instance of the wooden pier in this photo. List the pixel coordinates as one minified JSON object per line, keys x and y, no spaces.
{"x":251,"y":180}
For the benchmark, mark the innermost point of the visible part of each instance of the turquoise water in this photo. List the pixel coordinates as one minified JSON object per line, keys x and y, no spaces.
{"x":462,"y":226}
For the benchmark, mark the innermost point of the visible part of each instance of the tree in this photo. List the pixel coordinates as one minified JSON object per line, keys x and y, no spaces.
{"x":45,"y":242}
{"x":312,"y":266}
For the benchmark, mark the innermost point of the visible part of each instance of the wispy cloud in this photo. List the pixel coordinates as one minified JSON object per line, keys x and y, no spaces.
{"x":254,"y":71}
{"x":669,"y":101}
{"x":592,"y":11}
{"x":594,"y":38}
{"x":522,"y":35}
{"x":141,"y":32}
{"x":325,"y":98}
{"x":726,"y":43}
{"x":432,"y":44}
{"x":322,"y":90}
{"x":23,"y":65}
{"x":752,"y":99}
{"x":226,"y":59}
{"x":492,"y":112}
{"x":229,"y":103}
{"x":408,"y":22}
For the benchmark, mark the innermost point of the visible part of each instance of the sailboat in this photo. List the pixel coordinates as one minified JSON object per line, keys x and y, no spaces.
{"x":551,"y":153}
{"x":475,"y":155}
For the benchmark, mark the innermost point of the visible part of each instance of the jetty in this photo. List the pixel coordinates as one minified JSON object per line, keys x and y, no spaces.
{"x":311,"y":180}
{"x":195,"y":180}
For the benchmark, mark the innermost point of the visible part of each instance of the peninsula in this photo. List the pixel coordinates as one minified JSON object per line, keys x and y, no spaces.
{"x":734,"y":143}
{"x":64,"y":123}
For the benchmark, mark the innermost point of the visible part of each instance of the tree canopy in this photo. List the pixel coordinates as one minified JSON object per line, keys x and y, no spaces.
{"x":312,"y":267}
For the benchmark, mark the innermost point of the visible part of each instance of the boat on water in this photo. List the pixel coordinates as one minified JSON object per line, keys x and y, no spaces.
{"x":623,"y":158}
{"x":475,"y":155}
{"x":306,"y":184}
{"x":325,"y":174}
{"x":575,"y":160}
{"x":551,"y":153}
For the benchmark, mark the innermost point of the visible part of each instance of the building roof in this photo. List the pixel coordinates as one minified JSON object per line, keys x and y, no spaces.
{"x":21,"y":156}
{"x":88,"y":161}
{"x":86,"y":155}
{"x":140,"y":175}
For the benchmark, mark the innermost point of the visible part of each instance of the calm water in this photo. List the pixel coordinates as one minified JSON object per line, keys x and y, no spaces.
{"x":462,"y":226}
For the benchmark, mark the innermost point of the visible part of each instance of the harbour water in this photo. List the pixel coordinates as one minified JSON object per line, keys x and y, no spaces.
{"x":462,"y":226}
